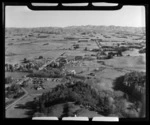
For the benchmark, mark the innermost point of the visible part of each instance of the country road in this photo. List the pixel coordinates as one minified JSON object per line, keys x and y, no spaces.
{"x":26,"y":78}
{"x":26,"y":93}
{"x":42,"y":67}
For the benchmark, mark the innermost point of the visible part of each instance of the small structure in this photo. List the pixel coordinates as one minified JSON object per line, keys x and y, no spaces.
{"x":83,"y":40}
{"x":39,"y":88}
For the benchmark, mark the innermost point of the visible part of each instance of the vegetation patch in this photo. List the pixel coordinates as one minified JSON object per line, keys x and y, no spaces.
{"x":14,"y":91}
{"x":51,"y":73}
{"x":132,"y":83}
{"x":79,"y":93}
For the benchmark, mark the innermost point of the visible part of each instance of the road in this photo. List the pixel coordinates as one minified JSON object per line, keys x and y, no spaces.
{"x":12,"y":104}
{"x":42,"y":67}
{"x":26,"y":78}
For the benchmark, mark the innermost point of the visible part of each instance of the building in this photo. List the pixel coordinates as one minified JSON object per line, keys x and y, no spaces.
{"x":39,"y":88}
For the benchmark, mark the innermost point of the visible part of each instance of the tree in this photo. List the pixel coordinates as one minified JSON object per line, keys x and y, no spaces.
{"x":80,"y":93}
{"x":8,"y":80}
{"x":85,"y":49}
{"x":132,"y":83}
{"x":40,"y":57}
{"x":14,"y":91}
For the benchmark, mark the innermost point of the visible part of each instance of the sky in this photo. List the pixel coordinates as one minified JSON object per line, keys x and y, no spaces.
{"x":22,"y":16}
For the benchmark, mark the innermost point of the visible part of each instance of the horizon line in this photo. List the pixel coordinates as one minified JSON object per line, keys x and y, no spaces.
{"x":77,"y":26}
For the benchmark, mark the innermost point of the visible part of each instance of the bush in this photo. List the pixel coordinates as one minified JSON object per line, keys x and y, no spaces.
{"x":67,"y":110}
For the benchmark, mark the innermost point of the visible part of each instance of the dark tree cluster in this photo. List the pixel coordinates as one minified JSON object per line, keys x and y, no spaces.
{"x":79,"y":93}
{"x":133,"y":83}
{"x":14,"y":91}
{"x":51,"y":73}
{"x":142,"y":50}
{"x":8,"y":80}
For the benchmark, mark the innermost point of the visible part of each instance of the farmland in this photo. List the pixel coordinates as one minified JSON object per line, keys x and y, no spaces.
{"x":53,"y":59}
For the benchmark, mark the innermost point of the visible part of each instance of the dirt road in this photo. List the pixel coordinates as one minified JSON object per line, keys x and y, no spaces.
{"x":42,"y":67}
{"x":26,"y":93}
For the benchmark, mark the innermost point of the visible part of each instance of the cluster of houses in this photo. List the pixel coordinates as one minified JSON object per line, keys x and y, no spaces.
{"x":20,"y":67}
{"x":37,"y":83}
{"x":64,"y":60}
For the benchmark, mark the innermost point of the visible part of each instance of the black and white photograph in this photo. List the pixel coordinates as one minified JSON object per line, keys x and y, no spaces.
{"x":75,"y":63}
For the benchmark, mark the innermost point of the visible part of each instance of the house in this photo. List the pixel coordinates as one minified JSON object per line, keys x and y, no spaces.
{"x":39,"y":88}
